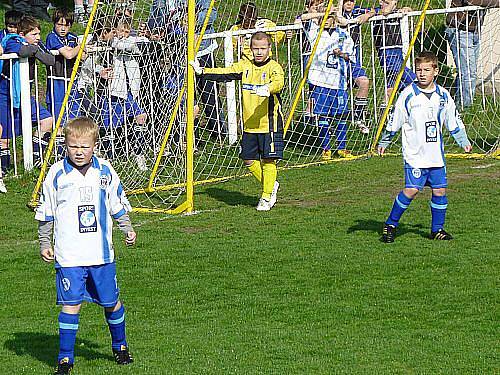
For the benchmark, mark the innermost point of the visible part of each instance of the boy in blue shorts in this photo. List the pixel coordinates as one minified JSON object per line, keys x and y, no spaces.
{"x":328,"y":77}
{"x":82,"y":194}
{"x":26,"y":44}
{"x":66,"y":44}
{"x":421,"y":111}
{"x":389,"y":44}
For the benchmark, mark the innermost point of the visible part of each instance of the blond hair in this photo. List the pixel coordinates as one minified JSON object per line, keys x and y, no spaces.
{"x":81,"y":127}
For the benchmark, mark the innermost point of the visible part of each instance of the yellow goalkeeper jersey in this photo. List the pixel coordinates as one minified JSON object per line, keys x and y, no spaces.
{"x":260,"y":114}
{"x":261,"y":23}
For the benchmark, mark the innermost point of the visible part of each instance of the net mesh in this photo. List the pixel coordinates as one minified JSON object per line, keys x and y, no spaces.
{"x":131,"y":82}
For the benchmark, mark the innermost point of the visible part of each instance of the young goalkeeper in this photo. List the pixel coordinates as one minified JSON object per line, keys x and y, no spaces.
{"x":262,"y":141}
{"x":81,"y":196}
{"x":421,"y":111}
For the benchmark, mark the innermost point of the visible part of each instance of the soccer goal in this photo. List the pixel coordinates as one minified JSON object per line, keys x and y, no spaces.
{"x":167,"y":131}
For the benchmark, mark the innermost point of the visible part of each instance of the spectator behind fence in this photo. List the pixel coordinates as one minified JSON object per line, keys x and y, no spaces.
{"x":351,"y":11}
{"x":463,"y":34}
{"x":82,"y":13}
{"x":248,"y":19}
{"x":208,"y":89}
{"x":389,"y":45}
{"x":66,"y":43}
{"x":328,"y":80}
{"x":25,"y":44}
{"x":34,"y":8}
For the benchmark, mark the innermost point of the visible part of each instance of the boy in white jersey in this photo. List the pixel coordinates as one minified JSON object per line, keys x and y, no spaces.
{"x":421,"y":110}
{"x":81,"y":196}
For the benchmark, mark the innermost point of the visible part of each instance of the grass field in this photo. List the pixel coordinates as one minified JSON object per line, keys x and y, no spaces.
{"x":307,"y":288}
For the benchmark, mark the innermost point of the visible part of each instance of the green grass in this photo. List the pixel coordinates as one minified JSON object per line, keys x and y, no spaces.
{"x":306,"y":288}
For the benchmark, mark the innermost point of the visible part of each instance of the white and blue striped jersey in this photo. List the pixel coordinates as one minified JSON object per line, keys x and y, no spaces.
{"x":327,"y":69}
{"x":421,"y":116}
{"x":82,"y":208}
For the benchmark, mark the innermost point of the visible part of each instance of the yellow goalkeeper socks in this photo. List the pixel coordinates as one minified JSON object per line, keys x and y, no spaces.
{"x":269,"y":174}
{"x":256,"y":169}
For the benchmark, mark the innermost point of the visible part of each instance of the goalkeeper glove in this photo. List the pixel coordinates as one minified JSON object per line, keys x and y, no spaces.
{"x":263,"y":90}
{"x":196,"y":66}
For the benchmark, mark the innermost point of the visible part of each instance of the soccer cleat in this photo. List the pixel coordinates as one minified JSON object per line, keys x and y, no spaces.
{"x":388,"y":233}
{"x":441,"y":234}
{"x":362,"y":127}
{"x":264,"y":205}
{"x":344,"y":153}
{"x":141,"y":163}
{"x":274,"y":194}
{"x":123,"y":356}
{"x":3,"y":188}
{"x":64,"y":367}
{"x":326,"y":155}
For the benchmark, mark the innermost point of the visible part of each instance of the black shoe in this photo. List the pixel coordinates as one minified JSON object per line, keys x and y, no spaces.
{"x":64,"y":367}
{"x":122,"y":356}
{"x":388,"y":233}
{"x":441,"y":234}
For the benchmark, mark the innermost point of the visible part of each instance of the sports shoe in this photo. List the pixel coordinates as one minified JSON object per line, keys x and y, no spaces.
{"x":362,"y":126}
{"x":326,"y":155}
{"x":344,"y":153}
{"x":64,"y":367}
{"x":274,"y":194}
{"x":122,"y":356}
{"x":264,"y":205}
{"x":141,"y":163}
{"x":388,"y":233}
{"x":3,"y":188}
{"x":441,"y":234}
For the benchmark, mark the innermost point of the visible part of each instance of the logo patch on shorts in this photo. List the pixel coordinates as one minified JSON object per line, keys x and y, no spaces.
{"x":66,"y":284}
{"x":416,"y":172}
{"x":86,"y":219}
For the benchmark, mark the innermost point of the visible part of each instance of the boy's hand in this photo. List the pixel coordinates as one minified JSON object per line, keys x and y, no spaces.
{"x":196,"y":66}
{"x":130,"y":239}
{"x":263,"y":91}
{"x":380,"y":150}
{"x":106,"y":73}
{"x":47,"y":255}
{"x":468,"y":148}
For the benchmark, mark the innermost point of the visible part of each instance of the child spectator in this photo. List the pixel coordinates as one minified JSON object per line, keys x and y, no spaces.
{"x":328,"y":76}
{"x":262,"y":80}
{"x":12,"y":18}
{"x":82,"y":194}
{"x":66,"y":43}
{"x":248,"y":19}
{"x":351,"y":11}
{"x":421,"y":111}
{"x":389,"y":45}
{"x":25,"y":44}
{"x":124,"y":88}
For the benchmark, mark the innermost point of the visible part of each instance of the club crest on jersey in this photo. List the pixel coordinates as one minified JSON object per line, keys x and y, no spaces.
{"x":416,"y":172}
{"x":264,"y":76}
{"x":66,"y":284}
{"x":104,"y":181}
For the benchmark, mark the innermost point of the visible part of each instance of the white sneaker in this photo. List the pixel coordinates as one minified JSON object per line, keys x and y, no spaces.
{"x":362,"y":127}
{"x":274,"y":194}
{"x":264,"y":205}
{"x":3,"y":188}
{"x":141,"y":163}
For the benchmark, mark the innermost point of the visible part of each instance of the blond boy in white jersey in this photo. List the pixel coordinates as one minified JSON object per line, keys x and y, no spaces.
{"x":421,"y":111}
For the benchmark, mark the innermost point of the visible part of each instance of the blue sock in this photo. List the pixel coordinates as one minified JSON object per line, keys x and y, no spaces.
{"x":341,"y":134}
{"x":324,"y":133}
{"x":400,"y":205}
{"x":438,"y":211}
{"x":116,"y":323}
{"x":68,"y":327}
